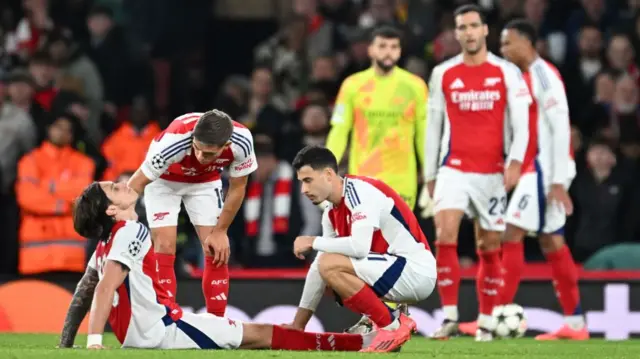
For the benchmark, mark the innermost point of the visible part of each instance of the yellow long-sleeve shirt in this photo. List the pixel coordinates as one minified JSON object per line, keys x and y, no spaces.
{"x":386,"y":117}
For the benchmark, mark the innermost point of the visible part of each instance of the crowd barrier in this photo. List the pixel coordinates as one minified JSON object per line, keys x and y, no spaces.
{"x":611,"y":301}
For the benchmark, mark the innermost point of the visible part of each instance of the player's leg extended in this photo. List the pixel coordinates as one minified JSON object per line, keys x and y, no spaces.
{"x":162,"y":205}
{"x":565,"y":282}
{"x":512,"y":262}
{"x":489,"y":276}
{"x":203,"y":204}
{"x":267,"y":336}
{"x":361,"y":292}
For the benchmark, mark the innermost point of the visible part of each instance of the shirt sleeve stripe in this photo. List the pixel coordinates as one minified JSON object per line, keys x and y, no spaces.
{"x":242,"y":142}
{"x":354,"y":193}
{"x":542,"y":77}
{"x":169,"y":149}
{"x":176,"y":151}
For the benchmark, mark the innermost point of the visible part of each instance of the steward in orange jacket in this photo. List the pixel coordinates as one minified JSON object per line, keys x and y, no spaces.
{"x":127,"y":147}
{"x":49,"y":179}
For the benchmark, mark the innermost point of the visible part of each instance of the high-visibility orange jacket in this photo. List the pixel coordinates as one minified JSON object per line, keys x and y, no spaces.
{"x":126,"y":148}
{"x":49,"y":180}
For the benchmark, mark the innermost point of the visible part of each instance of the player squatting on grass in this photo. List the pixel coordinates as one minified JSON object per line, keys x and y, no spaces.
{"x":121,"y":285}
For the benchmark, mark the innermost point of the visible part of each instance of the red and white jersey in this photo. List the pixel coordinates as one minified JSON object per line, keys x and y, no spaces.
{"x":549,"y":150}
{"x":141,"y":306}
{"x":371,"y":202}
{"x":473,"y":111}
{"x":171,"y":156}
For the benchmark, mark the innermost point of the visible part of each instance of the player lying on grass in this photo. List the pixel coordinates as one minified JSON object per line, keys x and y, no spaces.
{"x":121,"y":285}
{"x":371,"y":248}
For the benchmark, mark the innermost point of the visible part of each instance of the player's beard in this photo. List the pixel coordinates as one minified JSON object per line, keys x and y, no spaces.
{"x":472,"y":50}
{"x":384,"y":67}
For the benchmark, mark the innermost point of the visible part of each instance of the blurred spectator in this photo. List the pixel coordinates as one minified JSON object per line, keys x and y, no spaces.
{"x":233,"y":96}
{"x":315,"y":125}
{"x":343,"y":12}
{"x":418,"y":67}
{"x":595,"y":116}
{"x":378,"y":13}
{"x":285,"y":54}
{"x":500,"y":15}
{"x":126,"y":148}
{"x":49,"y":179}
{"x":17,"y":137}
{"x":591,"y":11}
{"x":625,"y":117}
{"x":275,"y":212}
{"x":602,"y":197}
{"x":43,"y":71}
{"x":264,"y":106}
{"x":444,"y":47}
{"x":71,"y":61}
{"x":620,"y":56}
{"x":579,"y":72}
{"x":357,"y":55}
{"x":33,"y":27}
{"x":321,"y":33}
{"x":21,"y":90}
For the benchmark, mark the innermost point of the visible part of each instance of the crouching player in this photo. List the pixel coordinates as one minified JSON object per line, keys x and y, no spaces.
{"x":371,"y":249}
{"x":122,"y":278}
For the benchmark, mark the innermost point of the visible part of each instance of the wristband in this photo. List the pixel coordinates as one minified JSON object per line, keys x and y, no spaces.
{"x":94,"y":339}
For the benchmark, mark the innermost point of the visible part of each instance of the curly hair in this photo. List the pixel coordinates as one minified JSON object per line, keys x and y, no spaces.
{"x":90,"y":219}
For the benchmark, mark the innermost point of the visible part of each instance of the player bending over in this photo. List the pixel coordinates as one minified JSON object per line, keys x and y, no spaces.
{"x":540,"y":202}
{"x":475,"y":99}
{"x":183,"y":164}
{"x":122,"y":285}
{"x":371,"y":249}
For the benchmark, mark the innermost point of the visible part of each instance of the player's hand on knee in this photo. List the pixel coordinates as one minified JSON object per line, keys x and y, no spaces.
{"x":426,"y":203}
{"x":303,"y":246}
{"x":218,"y":243}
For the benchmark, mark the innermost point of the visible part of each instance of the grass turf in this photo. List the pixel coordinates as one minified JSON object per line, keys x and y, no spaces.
{"x":18,"y":346}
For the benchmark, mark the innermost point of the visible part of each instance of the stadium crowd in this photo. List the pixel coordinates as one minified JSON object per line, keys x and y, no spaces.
{"x":86,"y":84}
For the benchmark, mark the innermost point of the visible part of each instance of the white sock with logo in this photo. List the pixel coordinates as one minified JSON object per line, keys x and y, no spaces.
{"x":575,"y":322}
{"x":450,"y":312}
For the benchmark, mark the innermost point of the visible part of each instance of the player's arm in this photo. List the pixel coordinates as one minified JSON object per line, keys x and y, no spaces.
{"x":164,"y":151}
{"x":518,"y":101}
{"x":314,"y":285}
{"x":556,"y":112}
{"x":341,"y":120}
{"x":421,"y":118}
{"x":365,"y":219}
{"x":433,"y":128}
{"x":114,"y":275}
{"x":80,"y":304}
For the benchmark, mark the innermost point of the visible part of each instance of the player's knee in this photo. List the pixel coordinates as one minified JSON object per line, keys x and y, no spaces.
{"x":488,"y":241}
{"x":514,"y":234}
{"x":551,"y":243}
{"x":329,"y":266}
{"x":163,"y":240}
{"x":447,"y":235}
{"x":256,"y":336}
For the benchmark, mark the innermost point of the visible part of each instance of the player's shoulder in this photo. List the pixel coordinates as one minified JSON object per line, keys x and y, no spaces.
{"x":447,"y":65}
{"x":410,"y":78}
{"x":507,"y":67}
{"x":241,"y":140}
{"x":545,"y":73}
{"x":184,"y":124}
{"x":359,"y":189}
{"x":358,"y":78}
{"x":127,"y":231}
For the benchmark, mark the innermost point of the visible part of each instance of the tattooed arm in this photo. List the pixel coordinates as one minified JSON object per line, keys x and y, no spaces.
{"x":79,"y":307}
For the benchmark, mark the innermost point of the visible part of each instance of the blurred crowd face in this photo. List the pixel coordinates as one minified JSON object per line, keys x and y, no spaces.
{"x":471,"y":33}
{"x":296,"y":34}
{"x":359,"y":51}
{"x":305,"y":7}
{"x":385,"y":52}
{"x":449,"y":45}
{"x":59,"y":51}
{"x":43,"y":74}
{"x":604,"y":88}
{"x":620,"y":53}
{"x":626,"y":95}
{"x":139,"y":111}
{"x":600,"y":158}
{"x":590,"y":42}
{"x":61,"y":132}
{"x":315,"y":120}
{"x":261,"y":83}
{"x":99,"y":25}
{"x":267,"y":162}
{"x":534,"y":10}
{"x":381,"y":11}
{"x":324,"y":68}
{"x":20,"y":92}
{"x":593,"y":7}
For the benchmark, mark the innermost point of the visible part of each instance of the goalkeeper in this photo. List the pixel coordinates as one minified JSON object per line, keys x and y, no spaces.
{"x":383,"y":111}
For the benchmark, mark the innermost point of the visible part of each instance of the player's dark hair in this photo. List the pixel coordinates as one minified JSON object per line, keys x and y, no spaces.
{"x":316,"y":157}
{"x":90,"y":217}
{"x":464,"y":9}
{"x":214,"y":128}
{"x":524,"y":28}
{"x":386,"y":32}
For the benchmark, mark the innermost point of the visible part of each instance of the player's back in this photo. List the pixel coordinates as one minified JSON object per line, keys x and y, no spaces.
{"x":141,"y":307}
{"x":399,"y":231}
{"x":548,"y":91}
{"x":474,"y":102}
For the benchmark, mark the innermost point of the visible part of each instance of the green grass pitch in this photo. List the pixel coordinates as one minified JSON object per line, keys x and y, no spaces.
{"x":19,"y":346}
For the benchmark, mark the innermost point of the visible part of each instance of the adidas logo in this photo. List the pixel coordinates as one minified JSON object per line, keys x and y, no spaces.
{"x":220,"y":296}
{"x":457,"y":84}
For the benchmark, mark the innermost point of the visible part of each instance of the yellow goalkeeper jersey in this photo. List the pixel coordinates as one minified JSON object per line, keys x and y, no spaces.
{"x":386,"y":118}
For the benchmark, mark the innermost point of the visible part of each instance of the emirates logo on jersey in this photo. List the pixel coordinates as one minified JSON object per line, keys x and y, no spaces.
{"x":476,"y":100}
